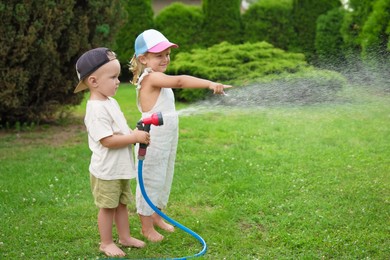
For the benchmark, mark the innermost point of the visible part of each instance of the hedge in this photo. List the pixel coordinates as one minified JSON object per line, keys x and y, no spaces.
{"x":39,"y":45}
{"x":309,"y":86}
{"x":236,"y":64}
{"x":181,"y":24}
{"x":269,"y":21}
{"x":328,"y":40}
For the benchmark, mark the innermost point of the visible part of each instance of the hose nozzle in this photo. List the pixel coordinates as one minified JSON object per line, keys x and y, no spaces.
{"x":144,"y":125}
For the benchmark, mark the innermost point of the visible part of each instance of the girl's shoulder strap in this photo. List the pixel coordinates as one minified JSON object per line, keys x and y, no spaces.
{"x":146,"y":72}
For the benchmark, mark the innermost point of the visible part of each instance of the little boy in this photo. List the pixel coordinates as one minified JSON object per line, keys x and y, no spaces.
{"x":110,"y":140}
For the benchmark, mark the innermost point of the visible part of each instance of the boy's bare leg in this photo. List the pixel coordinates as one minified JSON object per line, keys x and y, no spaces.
{"x":107,"y":245}
{"x":148,"y":229}
{"x":122,"y":225}
{"x":158,"y":221}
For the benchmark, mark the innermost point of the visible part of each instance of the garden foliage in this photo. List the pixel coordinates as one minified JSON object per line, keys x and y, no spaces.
{"x":139,"y":18}
{"x":182,"y":24}
{"x":307,"y":86}
{"x":365,"y":31}
{"x":43,"y":39}
{"x":40,"y":43}
{"x":328,"y":39}
{"x":248,"y":63}
{"x":269,"y":21}
{"x":375,"y":32}
{"x":353,"y":23}
{"x":304,"y":16}
{"x":222,"y":22}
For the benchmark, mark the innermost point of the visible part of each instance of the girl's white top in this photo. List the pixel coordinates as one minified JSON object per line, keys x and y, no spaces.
{"x":159,"y":163}
{"x":165,"y":102}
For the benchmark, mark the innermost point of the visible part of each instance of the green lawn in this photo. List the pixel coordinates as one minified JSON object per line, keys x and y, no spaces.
{"x":308,"y":182}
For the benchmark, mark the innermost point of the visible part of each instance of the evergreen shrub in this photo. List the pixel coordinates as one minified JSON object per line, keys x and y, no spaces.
{"x":307,"y":86}
{"x":39,"y":45}
{"x":181,"y":24}
{"x":304,"y":17}
{"x":352,"y":25}
{"x":269,"y":21}
{"x":234,"y":64}
{"x":365,"y":32}
{"x":376,"y":32}
{"x":329,"y":41}
{"x":139,"y":18}
{"x":222,"y":22}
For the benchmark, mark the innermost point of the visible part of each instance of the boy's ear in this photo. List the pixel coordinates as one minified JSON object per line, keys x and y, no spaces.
{"x":92,"y":81}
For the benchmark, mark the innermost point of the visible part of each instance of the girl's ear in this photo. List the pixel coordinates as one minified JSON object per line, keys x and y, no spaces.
{"x":142,"y":59}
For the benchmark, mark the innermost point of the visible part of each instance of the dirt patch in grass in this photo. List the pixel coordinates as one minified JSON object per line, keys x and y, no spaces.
{"x":70,"y":133}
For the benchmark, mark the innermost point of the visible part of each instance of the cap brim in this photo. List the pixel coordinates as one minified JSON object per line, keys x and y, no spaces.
{"x":162,"y":46}
{"x":80,"y":87}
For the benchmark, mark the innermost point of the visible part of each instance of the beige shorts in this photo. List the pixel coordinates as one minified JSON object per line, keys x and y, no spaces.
{"x":109,"y":193}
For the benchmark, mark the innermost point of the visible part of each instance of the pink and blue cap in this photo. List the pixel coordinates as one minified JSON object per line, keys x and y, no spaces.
{"x":152,"y":41}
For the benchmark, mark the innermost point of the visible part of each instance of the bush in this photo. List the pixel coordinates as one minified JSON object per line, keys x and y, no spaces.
{"x":375,"y":34}
{"x":313,"y":85}
{"x":308,"y":86}
{"x":269,"y":21}
{"x":222,"y":22}
{"x":234,"y":64}
{"x":40,"y":43}
{"x":304,"y":15}
{"x":181,"y":24}
{"x":352,"y":26}
{"x":365,"y":32}
{"x":139,"y":18}
{"x":329,"y":41}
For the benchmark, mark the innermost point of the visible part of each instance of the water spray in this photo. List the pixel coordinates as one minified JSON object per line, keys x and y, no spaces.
{"x":145,"y":124}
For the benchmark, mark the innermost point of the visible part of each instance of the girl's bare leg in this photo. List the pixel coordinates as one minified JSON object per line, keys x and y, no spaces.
{"x":148,"y":229}
{"x":158,"y":221}
{"x":122,"y":225}
{"x":107,"y":245}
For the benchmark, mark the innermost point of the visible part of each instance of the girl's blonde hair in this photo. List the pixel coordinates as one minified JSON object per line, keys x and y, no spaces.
{"x":136,"y":68}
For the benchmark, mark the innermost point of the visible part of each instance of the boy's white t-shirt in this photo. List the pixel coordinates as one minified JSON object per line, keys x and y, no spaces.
{"x":103,"y":119}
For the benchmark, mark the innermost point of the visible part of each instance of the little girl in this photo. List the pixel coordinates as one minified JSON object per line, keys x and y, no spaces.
{"x":154,"y":94}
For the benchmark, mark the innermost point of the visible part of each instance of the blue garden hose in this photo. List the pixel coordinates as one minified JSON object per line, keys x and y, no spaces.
{"x":173,"y":222}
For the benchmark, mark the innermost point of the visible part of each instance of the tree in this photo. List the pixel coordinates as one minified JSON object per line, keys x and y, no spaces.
{"x":375,"y":33}
{"x":222,"y":21}
{"x":352,"y":26}
{"x":269,"y":21}
{"x":43,"y":40}
{"x":187,"y":32}
{"x":305,"y":14}
{"x":329,"y":41}
{"x":139,"y":18}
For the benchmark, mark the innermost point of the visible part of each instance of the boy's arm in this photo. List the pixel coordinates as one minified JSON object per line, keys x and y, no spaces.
{"x":119,"y":141}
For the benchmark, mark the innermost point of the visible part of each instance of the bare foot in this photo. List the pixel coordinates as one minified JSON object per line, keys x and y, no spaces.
{"x":112,"y":250}
{"x":158,"y":221}
{"x":165,"y":226}
{"x":152,"y":235}
{"x":132,"y":242}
